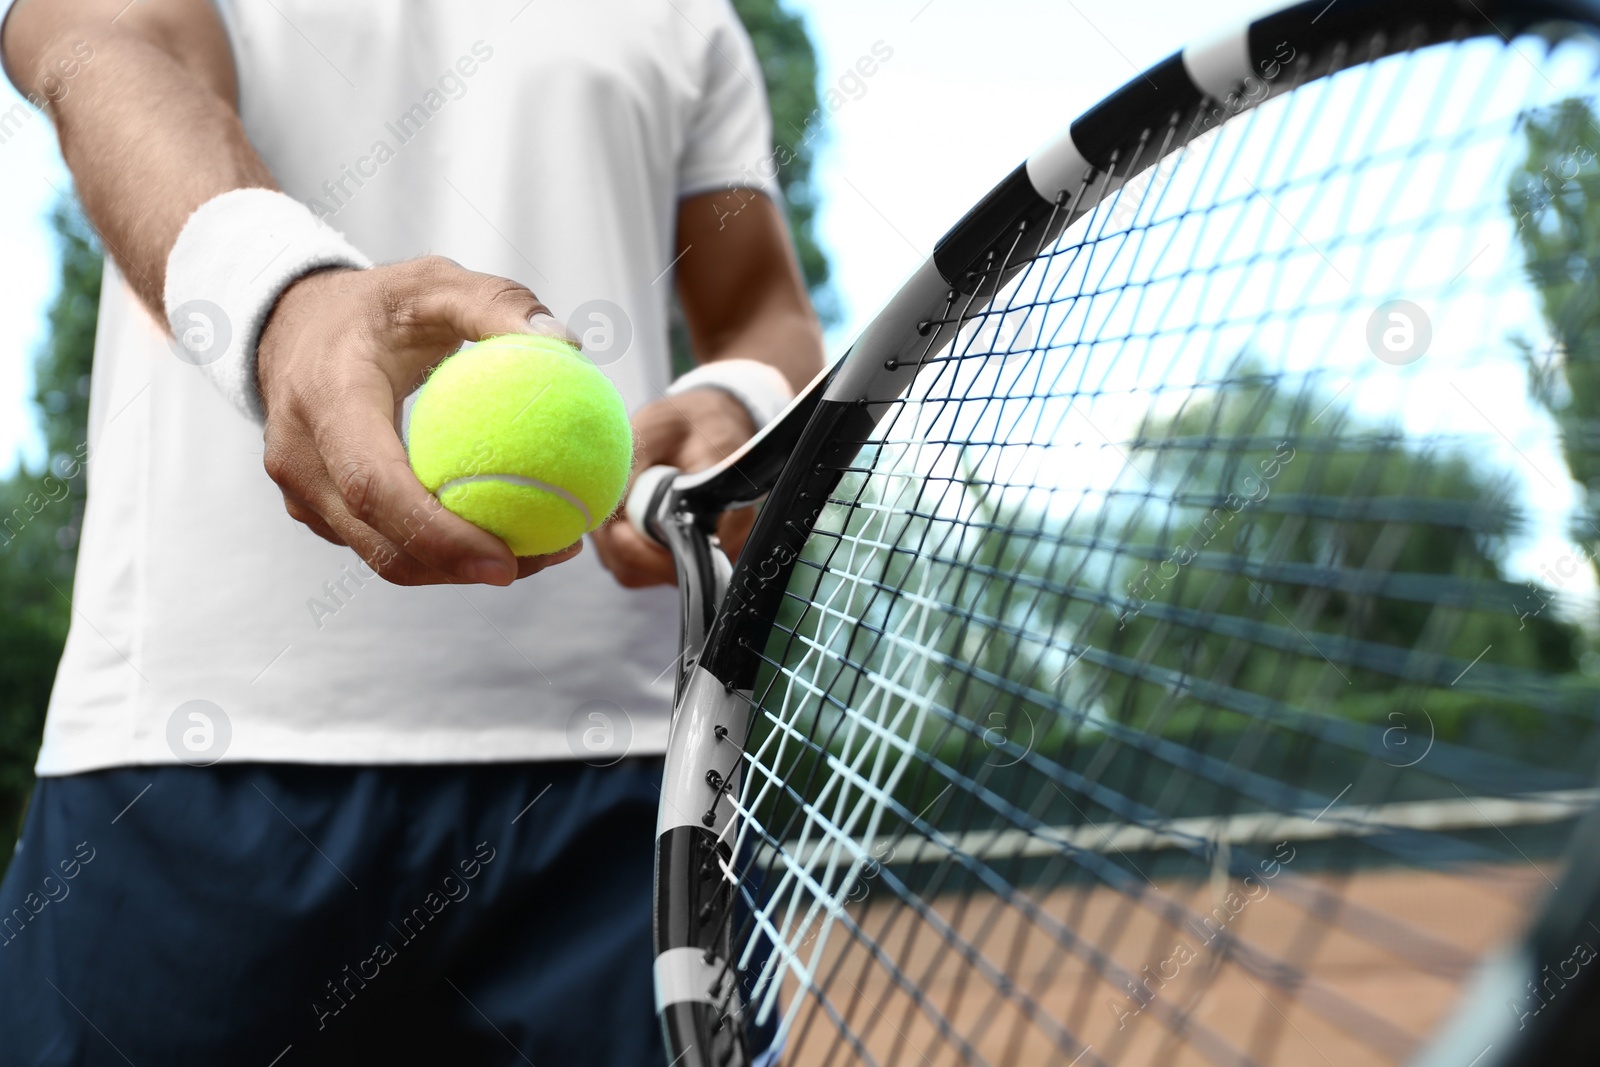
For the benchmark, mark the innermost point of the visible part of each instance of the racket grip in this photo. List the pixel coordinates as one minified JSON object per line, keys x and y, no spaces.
{"x":644,"y":499}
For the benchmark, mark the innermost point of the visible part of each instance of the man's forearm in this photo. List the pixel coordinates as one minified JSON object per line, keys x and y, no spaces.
{"x":741,"y":288}
{"x":784,"y":337}
{"x":149,"y":137}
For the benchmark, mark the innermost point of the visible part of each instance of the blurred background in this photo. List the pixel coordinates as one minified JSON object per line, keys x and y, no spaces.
{"x":881,"y":164}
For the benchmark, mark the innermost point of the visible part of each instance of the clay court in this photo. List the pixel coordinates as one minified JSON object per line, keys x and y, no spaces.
{"x":1369,"y":1003}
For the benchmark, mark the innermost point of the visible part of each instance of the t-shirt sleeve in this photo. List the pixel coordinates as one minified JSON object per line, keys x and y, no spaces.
{"x":729,"y":141}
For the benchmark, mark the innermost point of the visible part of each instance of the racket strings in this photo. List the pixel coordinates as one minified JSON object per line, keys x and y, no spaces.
{"x":729,"y":1006}
{"x":1050,"y":685}
{"x":1400,"y":939}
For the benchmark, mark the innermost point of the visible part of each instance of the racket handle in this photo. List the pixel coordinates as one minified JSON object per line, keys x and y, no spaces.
{"x":644,"y":499}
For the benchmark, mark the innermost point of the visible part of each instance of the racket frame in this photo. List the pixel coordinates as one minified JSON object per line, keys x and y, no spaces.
{"x":793,"y":464}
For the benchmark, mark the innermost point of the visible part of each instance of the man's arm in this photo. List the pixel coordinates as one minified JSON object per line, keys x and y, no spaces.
{"x":740,"y":285}
{"x":147,"y":124}
{"x":149,"y":130}
{"x":743,"y":298}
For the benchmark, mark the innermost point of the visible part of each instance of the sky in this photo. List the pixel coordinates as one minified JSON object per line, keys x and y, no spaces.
{"x":30,"y":173}
{"x":969,"y":89}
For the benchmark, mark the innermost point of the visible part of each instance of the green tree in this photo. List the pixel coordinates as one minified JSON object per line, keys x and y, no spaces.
{"x":41,"y":512}
{"x":789,"y":67}
{"x":1230,"y":585}
{"x":1554,"y":198}
{"x":1289,"y":569}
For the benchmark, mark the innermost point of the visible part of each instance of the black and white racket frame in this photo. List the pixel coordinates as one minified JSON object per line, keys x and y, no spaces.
{"x":796,"y":461}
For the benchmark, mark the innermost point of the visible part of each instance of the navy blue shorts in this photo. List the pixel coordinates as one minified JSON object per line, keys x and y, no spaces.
{"x":269,"y":915}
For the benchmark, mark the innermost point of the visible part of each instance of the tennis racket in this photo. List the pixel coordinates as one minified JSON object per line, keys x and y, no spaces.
{"x":1168,"y":636}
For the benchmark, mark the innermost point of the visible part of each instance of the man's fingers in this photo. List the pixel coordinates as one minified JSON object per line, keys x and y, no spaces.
{"x":304,"y":514}
{"x":374,"y":480}
{"x":390,"y":561}
{"x":637,"y":561}
{"x":632,"y":558}
{"x":474,"y":306}
{"x":382,"y":555}
{"x":690,"y":432}
{"x":527,"y":565}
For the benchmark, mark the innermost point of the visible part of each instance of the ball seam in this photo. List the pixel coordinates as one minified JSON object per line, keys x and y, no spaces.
{"x":522,"y":480}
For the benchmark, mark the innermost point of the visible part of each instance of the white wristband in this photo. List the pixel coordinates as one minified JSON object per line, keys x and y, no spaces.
{"x":234,"y":257}
{"x":760,"y":387}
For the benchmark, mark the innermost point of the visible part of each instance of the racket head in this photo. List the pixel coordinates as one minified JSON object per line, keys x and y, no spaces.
{"x":1166,"y":614}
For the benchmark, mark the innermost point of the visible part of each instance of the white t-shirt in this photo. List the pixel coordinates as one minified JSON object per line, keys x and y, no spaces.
{"x":548,"y":142}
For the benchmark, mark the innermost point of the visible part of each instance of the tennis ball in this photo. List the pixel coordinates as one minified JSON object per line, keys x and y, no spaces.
{"x":524,"y":437}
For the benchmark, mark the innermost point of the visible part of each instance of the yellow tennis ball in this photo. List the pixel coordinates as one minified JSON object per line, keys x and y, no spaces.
{"x":524,"y":437}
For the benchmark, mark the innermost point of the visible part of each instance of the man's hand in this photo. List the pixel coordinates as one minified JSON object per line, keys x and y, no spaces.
{"x":691,"y":432}
{"x":340,"y":352}
{"x":743,"y":298}
{"x":149,"y":129}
